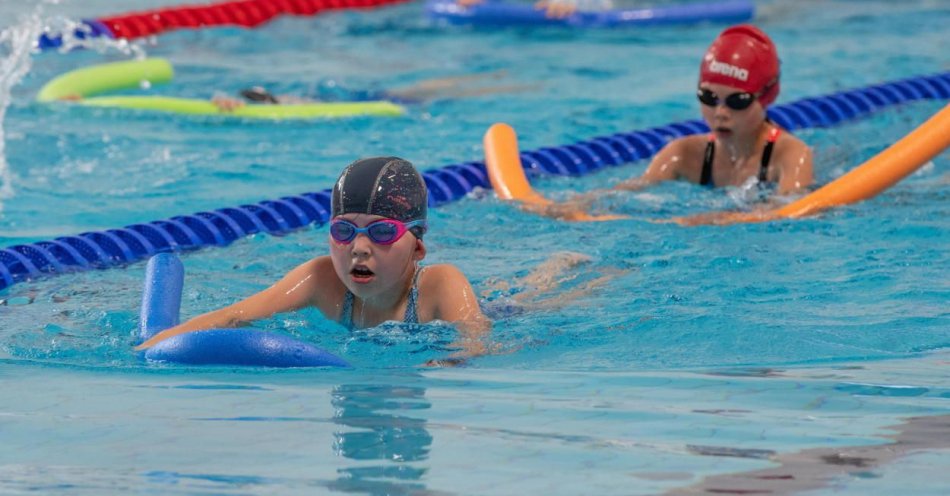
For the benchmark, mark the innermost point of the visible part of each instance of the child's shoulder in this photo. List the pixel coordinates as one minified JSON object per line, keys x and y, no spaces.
{"x":692,"y":144}
{"x":319,"y":263}
{"x":316,"y":275}
{"x":789,"y":145}
{"x":436,"y":271}
{"x":440,"y":276}
{"x":787,"y":138}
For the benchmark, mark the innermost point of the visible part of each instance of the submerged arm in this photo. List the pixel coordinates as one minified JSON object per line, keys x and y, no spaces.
{"x":457,"y":303}
{"x":665,"y":166}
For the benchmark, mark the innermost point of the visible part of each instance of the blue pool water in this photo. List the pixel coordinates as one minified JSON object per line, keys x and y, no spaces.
{"x":708,"y":351}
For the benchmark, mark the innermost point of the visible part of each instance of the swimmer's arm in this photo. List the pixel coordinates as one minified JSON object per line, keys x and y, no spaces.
{"x":296,"y":290}
{"x":664,"y":167}
{"x":795,"y":167}
{"x":458,"y":304}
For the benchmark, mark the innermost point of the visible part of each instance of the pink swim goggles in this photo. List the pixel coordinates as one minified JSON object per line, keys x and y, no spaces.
{"x":381,"y":232}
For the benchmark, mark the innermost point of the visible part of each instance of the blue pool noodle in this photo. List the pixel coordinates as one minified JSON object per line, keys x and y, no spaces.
{"x":245,"y":347}
{"x":161,"y":302}
{"x":498,"y":13}
{"x":220,"y":227}
{"x":161,"y":295}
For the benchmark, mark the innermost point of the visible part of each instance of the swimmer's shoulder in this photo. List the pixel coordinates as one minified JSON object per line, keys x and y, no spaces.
{"x":787,"y":140}
{"x":446,"y":294}
{"x":318,"y":279}
{"x":315,"y":266}
{"x":438,"y":276}
{"x":441,"y":282}
{"x":684,"y":156}
{"x":688,"y":146}
{"x":790,"y":150}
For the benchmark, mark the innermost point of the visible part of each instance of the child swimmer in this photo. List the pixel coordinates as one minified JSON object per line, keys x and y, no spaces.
{"x":372,"y":274}
{"x":738,"y":79}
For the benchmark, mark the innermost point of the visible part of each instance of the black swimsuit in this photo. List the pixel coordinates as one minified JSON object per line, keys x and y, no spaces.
{"x":706,"y":178}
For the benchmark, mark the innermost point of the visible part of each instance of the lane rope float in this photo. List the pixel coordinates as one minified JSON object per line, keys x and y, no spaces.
{"x":220,"y":227}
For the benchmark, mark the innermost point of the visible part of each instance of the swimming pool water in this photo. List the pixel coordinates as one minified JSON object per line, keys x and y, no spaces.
{"x":708,"y":351}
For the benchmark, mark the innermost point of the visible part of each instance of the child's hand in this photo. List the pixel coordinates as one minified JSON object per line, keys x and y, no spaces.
{"x":227,"y":104}
{"x":556,"y":9}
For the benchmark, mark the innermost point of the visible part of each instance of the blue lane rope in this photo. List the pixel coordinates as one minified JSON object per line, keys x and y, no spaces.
{"x":87,"y":28}
{"x":220,"y":227}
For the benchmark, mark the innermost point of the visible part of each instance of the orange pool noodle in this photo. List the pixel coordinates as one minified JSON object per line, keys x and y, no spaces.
{"x":880,"y":172}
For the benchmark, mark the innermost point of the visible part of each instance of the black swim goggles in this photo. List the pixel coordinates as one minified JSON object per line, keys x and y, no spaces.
{"x":736,"y":101}
{"x":381,"y":232}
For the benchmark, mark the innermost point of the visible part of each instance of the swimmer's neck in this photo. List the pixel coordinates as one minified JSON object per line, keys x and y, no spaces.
{"x":741,"y":150}
{"x":389,"y":301}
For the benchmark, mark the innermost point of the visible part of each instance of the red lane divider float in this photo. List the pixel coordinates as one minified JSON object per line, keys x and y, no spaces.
{"x":243,"y":13}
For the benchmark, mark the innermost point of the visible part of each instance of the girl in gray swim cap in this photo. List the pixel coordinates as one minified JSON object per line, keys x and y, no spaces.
{"x":372,"y":275}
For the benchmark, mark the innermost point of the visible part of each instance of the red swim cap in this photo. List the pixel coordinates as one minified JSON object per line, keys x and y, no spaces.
{"x":743,"y":57}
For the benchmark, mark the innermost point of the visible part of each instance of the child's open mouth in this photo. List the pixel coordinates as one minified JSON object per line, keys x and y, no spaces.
{"x":361,"y":274}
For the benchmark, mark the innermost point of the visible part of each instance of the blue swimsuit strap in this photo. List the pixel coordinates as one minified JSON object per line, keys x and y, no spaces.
{"x":411,"y":316}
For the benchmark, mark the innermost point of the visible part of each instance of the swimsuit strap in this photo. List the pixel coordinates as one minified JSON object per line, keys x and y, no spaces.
{"x":411,"y":316}
{"x":346,"y":314}
{"x":706,"y":177}
{"x":767,"y":153}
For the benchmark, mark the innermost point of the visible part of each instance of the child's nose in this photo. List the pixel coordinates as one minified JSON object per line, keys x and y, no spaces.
{"x":362,"y":244}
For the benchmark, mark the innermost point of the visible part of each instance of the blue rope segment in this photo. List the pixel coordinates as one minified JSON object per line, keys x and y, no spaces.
{"x":88,"y":28}
{"x":116,"y":247}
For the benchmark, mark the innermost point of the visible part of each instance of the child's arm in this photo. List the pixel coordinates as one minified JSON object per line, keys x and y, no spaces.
{"x":665,"y":166}
{"x":298,"y":289}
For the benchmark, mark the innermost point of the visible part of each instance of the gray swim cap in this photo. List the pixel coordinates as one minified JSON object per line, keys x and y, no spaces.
{"x":385,"y":186}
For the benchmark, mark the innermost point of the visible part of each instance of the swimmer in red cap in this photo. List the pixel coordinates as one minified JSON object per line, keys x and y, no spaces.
{"x":738,"y":79}
{"x":372,"y":273}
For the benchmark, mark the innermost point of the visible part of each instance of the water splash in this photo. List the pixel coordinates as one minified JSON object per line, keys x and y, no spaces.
{"x":78,"y":35}
{"x":16,"y":45}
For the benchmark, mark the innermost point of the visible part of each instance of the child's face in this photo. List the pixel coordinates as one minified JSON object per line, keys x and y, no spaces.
{"x":729,"y":124}
{"x":370,"y":269}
